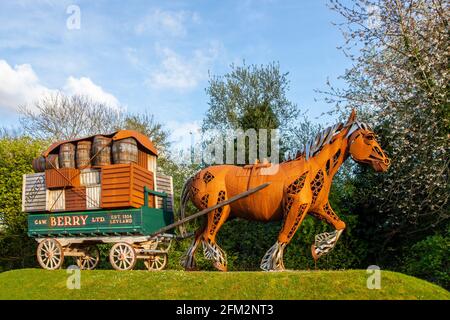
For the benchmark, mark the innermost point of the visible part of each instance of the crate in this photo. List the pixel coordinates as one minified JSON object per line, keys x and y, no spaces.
{"x":90,"y":177}
{"x":93,"y":197}
{"x":62,"y":178}
{"x":76,"y":199}
{"x":123,"y":186}
{"x":34,"y":193}
{"x":55,"y":200}
{"x":164,"y":184}
{"x":146,"y":161}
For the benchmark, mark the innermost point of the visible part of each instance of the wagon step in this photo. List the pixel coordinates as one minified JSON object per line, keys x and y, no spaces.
{"x":208,"y":210}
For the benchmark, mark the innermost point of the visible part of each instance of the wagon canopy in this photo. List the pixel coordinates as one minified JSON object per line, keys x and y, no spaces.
{"x":142,"y":140}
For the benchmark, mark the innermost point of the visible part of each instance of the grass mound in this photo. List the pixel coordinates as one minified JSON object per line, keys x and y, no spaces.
{"x":110,"y":284}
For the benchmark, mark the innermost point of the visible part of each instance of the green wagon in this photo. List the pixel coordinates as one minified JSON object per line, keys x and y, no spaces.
{"x":134,"y":233}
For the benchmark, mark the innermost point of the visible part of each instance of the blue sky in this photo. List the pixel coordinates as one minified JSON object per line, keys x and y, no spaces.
{"x":156,"y":55}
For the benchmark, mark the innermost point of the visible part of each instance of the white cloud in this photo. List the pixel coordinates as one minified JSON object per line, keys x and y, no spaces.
{"x":181,"y":134}
{"x":180,"y":72}
{"x":85,"y":86}
{"x":172,"y":23}
{"x":20,"y":85}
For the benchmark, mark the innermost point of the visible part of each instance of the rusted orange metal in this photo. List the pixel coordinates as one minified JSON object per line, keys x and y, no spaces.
{"x":62,"y":178}
{"x":142,"y":159}
{"x":123,"y":186}
{"x":75,"y":199}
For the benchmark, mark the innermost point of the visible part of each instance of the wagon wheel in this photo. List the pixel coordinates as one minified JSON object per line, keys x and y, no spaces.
{"x":122,"y":256}
{"x":156,"y":262}
{"x":50,"y":254}
{"x":91,"y":258}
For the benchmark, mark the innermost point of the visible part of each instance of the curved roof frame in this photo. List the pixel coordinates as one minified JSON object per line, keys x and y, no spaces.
{"x":142,"y":140}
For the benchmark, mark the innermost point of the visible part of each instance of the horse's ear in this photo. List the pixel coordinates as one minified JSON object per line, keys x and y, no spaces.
{"x":352,"y":117}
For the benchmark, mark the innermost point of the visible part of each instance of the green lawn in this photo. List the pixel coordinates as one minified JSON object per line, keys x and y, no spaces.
{"x":110,"y":284}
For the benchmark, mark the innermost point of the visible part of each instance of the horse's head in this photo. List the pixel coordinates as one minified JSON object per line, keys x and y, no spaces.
{"x":363,"y":146}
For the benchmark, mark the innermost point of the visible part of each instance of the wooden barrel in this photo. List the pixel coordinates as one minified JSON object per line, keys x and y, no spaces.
{"x":83,"y":154}
{"x":125,"y":151}
{"x":67,"y":155}
{"x":40,"y":164}
{"x":101,"y":151}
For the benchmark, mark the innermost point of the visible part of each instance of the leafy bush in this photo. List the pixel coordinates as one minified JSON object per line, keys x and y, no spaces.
{"x":429,"y":259}
{"x":16,"y":155}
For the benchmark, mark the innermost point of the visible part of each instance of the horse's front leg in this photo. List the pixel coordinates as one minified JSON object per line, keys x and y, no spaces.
{"x":216,"y":219}
{"x":294,"y":212}
{"x":325,"y":242}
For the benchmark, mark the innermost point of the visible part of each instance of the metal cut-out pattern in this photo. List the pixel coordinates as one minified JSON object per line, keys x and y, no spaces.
{"x":208,"y":177}
{"x":296,"y":186}
{"x":316,"y":185}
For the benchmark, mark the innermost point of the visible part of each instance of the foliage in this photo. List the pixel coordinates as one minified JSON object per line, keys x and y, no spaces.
{"x":428,"y":259}
{"x":146,"y":124}
{"x":16,"y":155}
{"x":250,"y":97}
{"x":299,"y":134}
{"x":399,"y":82}
{"x":140,"y":285}
{"x":246,"y":242}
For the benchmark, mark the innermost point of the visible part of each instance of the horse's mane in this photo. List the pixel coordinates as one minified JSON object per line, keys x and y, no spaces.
{"x":324,"y":137}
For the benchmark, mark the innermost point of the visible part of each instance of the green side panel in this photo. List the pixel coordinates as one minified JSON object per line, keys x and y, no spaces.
{"x":154,"y":219}
{"x":142,"y":221}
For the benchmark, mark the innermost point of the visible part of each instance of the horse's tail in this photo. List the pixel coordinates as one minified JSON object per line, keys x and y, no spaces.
{"x":184,"y":199}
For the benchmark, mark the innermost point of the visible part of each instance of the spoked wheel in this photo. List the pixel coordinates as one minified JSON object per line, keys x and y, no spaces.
{"x":156,"y":262}
{"x":90,"y":259}
{"x":122,"y":256}
{"x":50,"y":254}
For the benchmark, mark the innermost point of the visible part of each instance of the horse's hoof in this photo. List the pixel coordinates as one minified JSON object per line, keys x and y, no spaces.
{"x":220,"y":267}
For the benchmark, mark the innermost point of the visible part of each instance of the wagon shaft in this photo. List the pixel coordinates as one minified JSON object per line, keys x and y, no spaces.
{"x":208,"y":210}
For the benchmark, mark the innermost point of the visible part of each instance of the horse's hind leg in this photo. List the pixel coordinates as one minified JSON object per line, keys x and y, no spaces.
{"x":325,"y":242}
{"x":188,"y":259}
{"x":210,"y":248}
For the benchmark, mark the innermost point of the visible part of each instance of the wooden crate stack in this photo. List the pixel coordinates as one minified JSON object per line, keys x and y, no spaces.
{"x":78,"y":181}
{"x":44,"y":191}
{"x":123,"y":186}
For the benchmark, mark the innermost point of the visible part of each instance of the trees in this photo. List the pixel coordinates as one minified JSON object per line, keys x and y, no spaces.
{"x":146,"y":124}
{"x":399,"y":82}
{"x":16,"y":155}
{"x":250,"y":97}
{"x":60,"y":117}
